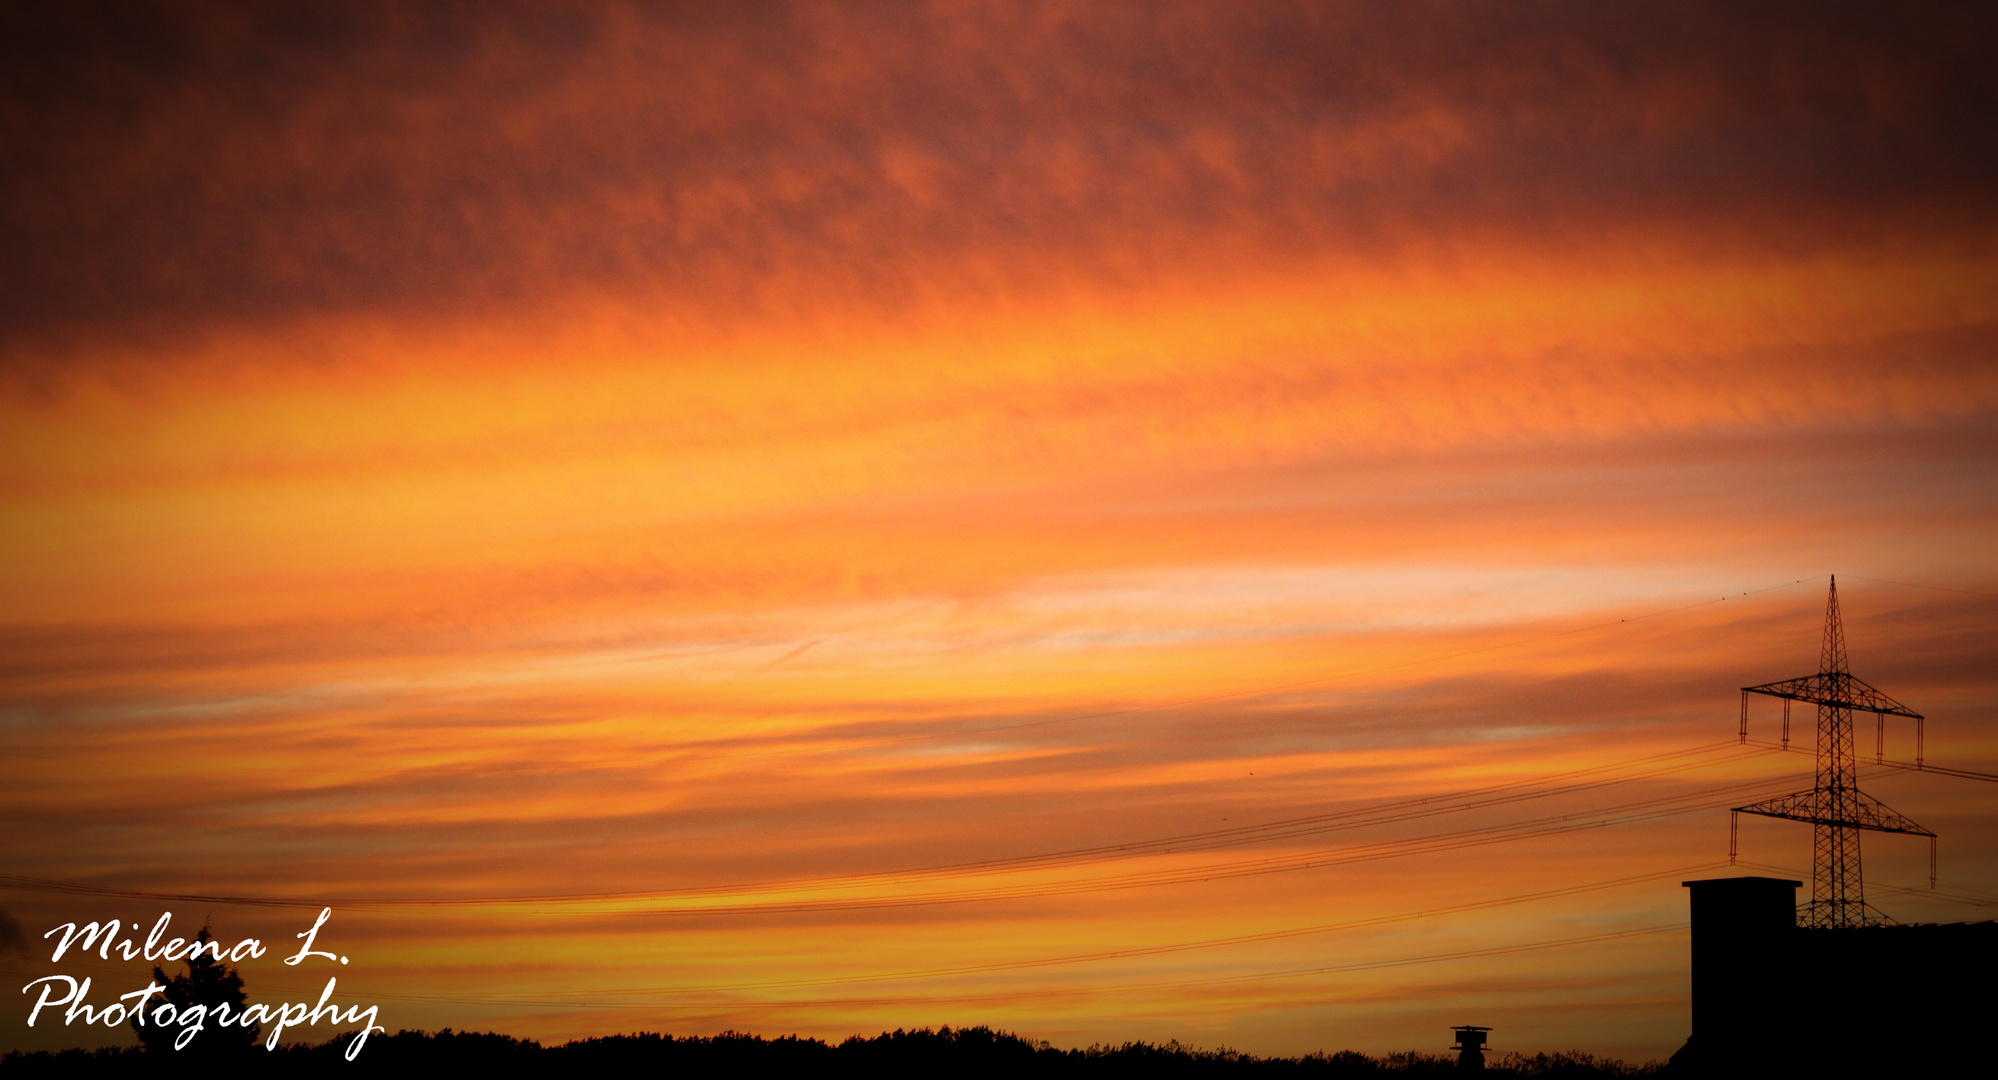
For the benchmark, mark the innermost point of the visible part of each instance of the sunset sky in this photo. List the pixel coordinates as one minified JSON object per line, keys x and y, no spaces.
{"x":832,"y":517}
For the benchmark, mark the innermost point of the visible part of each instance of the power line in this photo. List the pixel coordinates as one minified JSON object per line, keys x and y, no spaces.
{"x":1136,"y":951}
{"x":1937,"y":588}
{"x":1908,"y":766}
{"x":1955,"y":894}
{"x":1386,"y":813}
{"x":1279,"y":688}
{"x":1188,"y":946}
{"x":1631,"y":813}
{"x":1168,"y":705}
{"x":1389,"y":813}
{"x":1961,"y":774}
{"x":1969,"y":898}
{"x":1372,"y":965}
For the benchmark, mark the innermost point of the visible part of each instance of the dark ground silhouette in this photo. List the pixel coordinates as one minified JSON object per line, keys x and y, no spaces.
{"x":977,"y":1051}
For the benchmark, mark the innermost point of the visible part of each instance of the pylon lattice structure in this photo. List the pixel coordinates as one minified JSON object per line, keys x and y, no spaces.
{"x":1834,"y":807}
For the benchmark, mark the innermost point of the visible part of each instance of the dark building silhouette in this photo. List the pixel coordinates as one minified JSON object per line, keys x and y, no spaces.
{"x":1771,"y":998}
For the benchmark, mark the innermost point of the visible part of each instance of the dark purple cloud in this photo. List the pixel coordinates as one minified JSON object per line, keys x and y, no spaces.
{"x":183,"y":165}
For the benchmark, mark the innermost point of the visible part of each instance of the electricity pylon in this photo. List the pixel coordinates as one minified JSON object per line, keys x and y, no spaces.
{"x":1835,"y":808}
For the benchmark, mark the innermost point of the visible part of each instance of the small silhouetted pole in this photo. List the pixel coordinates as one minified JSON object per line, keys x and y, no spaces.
{"x":1470,"y":1047}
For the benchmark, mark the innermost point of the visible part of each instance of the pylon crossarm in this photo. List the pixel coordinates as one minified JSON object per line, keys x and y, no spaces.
{"x":1879,"y":817}
{"x":1798,"y":806}
{"x":1869,"y":813}
{"x":1840,"y":690}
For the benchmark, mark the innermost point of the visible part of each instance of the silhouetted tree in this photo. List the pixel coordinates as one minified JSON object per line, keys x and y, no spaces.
{"x":208,"y":983}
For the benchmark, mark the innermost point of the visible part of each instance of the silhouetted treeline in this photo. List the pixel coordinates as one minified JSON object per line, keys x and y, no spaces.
{"x":977,"y":1051}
